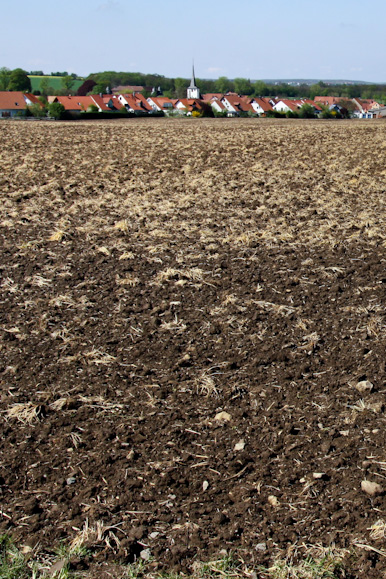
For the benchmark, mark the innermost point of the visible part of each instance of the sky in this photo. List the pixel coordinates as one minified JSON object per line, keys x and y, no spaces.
{"x":252,"y":39}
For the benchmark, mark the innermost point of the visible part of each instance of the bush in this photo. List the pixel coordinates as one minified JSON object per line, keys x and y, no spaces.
{"x":275,"y":114}
{"x":292,"y":115}
{"x":307,"y":111}
{"x":93,"y":109}
{"x":56,"y":110}
{"x":37,"y":110}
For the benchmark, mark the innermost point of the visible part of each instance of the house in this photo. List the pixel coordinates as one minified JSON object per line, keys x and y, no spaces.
{"x":377,"y":113}
{"x":14,"y":103}
{"x":317,"y":108}
{"x":188,"y":106}
{"x":286,"y":105}
{"x":143,"y":102}
{"x":99,"y":102}
{"x":77,"y":104}
{"x":112,"y":102}
{"x":261,"y":105}
{"x":132,"y":104}
{"x":163,"y":104}
{"x":218,"y":106}
{"x":328,"y":100}
{"x":237,"y":104}
{"x":363,"y":107}
{"x":212,"y":96}
{"x":129,"y":89}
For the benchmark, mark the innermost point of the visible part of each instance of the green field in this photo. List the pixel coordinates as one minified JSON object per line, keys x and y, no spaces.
{"x":54,"y":81}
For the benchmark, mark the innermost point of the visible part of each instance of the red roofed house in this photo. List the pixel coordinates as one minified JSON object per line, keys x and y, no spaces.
{"x":261,"y":105}
{"x":190,"y":105}
{"x":218,"y":106}
{"x":317,"y":108}
{"x":237,"y":104}
{"x":363,"y":108}
{"x":127,"y":89}
{"x":99,"y":102}
{"x":77,"y":104}
{"x":163,"y":104}
{"x":13,"y":103}
{"x":112,"y":102}
{"x":135,"y":103}
{"x":212,"y":96}
{"x":285,"y":105}
{"x":142,"y":99}
{"x":328,"y":100}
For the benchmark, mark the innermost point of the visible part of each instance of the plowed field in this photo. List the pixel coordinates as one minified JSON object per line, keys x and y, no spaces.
{"x":193,"y":338}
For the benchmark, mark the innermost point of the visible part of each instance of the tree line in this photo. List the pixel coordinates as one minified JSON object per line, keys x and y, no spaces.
{"x":176,"y":87}
{"x":18,"y":79}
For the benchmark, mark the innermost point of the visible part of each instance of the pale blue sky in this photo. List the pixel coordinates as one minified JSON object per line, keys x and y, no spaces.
{"x":278,"y":39}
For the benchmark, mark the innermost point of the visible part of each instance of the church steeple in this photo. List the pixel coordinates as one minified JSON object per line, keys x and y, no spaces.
{"x":193,"y":92}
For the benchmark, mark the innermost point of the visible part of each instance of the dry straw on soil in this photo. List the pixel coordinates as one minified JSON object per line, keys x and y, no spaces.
{"x":192,"y":313}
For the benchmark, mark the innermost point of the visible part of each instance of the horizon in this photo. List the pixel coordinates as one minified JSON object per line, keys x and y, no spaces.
{"x":308,"y":81}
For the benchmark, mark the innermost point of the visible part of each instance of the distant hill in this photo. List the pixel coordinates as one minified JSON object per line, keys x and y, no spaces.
{"x":309,"y":81}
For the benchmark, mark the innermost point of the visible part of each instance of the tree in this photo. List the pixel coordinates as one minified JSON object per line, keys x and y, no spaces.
{"x":37,"y":110}
{"x":260,"y":88}
{"x":56,"y":110}
{"x":19,"y":80}
{"x":306,"y":111}
{"x":45,"y":88}
{"x":180,"y":85}
{"x":5,"y":74}
{"x":67,"y":83}
{"x":223,"y":85}
{"x":99,"y":88}
{"x":86,"y":87}
{"x":243,"y":86}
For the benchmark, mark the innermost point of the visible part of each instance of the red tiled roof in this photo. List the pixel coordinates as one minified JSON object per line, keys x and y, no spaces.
{"x":75,"y":103}
{"x":212,"y":96}
{"x":328,"y":100}
{"x":131,"y":102}
{"x":219,"y":104}
{"x":263,"y":103}
{"x":13,"y":100}
{"x":161,"y":101}
{"x":112,"y":99}
{"x":292,"y":105}
{"x":193,"y":104}
{"x":144,"y":104}
{"x":312,"y":103}
{"x":239,"y":103}
{"x":99,"y":102}
{"x":366,"y":104}
{"x":33,"y":98}
{"x":127,"y":89}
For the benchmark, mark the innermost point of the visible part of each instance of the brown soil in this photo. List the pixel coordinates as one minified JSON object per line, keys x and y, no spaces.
{"x":157,"y":273}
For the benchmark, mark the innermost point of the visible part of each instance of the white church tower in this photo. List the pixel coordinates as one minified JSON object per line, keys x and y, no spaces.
{"x":193,"y":92}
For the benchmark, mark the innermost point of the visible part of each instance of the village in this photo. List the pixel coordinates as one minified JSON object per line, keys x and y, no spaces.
{"x":130,"y":99}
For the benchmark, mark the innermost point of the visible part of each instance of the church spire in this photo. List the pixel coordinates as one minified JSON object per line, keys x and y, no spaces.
{"x":193,"y":81}
{"x":193,"y":91}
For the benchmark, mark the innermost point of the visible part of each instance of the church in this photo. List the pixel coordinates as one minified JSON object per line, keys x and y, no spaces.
{"x":193,"y":92}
